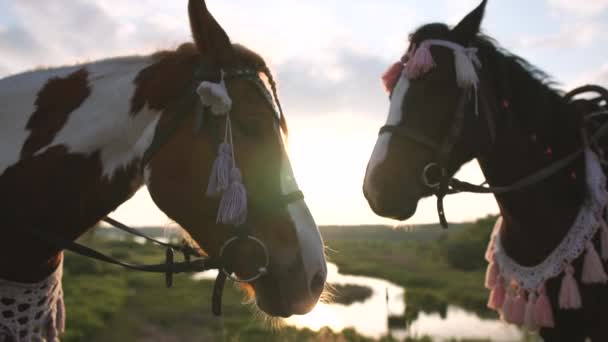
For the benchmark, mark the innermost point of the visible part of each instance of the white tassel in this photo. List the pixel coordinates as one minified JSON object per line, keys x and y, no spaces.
{"x":233,"y":206}
{"x":465,"y":60}
{"x":220,"y":171}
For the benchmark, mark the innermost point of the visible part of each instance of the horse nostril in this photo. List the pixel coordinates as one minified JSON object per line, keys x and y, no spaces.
{"x":317,"y":284}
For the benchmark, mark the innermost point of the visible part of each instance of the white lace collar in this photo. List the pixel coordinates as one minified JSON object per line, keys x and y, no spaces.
{"x":32,"y":312}
{"x":587,"y":222}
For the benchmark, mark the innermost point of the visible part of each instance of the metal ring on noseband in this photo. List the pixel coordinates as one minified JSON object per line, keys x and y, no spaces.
{"x":425,"y":176}
{"x":263,"y":270}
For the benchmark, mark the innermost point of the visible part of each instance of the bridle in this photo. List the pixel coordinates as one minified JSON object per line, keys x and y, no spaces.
{"x":193,"y":261}
{"x":442,"y":150}
{"x":447,"y":185}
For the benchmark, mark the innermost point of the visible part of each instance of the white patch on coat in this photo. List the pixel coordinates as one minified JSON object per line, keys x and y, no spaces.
{"x":17,"y":104}
{"x":309,"y":238}
{"x":394,"y":118}
{"x":104,"y":123}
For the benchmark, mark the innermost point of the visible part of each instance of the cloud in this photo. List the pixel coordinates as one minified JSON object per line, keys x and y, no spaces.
{"x":52,"y":32}
{"x":583,"y":8}
{"x":578,"y":35}
{"x":350,"y":84}
{"x":597,"y":76}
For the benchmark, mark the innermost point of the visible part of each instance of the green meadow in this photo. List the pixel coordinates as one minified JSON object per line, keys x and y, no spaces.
{"x":105,"y":303}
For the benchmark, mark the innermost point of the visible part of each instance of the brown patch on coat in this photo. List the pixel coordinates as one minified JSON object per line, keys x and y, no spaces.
{"x":59,"y":192}
{"x":163,"y":82}
{"x":59,"y":97}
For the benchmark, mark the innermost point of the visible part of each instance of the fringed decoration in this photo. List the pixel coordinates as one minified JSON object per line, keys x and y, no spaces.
{"x":492,"y":275}
{"x":497,"y":296}
{"x":519,"y":308}
{"x":593,"y":270}
{"x":543,"y":313}
{"x":466,"y":60}
{"x":507,"y":306}
{"x":220,"y":172}
{"x":52,"y":335}
{"x":604,"y":239}
{"x":391,"y":76}
{"x":60,"y":316}
{"x":569,"y":295}
{"x":421,"y":63}
{"x":233,"y":206}
{"x":529,"y":317}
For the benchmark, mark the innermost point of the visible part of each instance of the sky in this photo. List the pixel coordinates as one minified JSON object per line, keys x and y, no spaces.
{"x":327,"y":56}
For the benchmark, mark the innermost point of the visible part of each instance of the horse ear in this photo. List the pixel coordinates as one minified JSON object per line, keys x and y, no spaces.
{"x":469,"y":27}
{"x":210,"y":38}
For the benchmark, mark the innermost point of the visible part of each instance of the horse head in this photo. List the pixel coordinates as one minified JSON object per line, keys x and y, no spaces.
{"x":432,"y":89}
{"x":238,"y":128}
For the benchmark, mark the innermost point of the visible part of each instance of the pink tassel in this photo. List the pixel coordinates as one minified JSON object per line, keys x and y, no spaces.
{"x":391,"y":76}
{"x":489,"y":256}
{"x":497,"y":297}
{"x":490,"y":250}
{"x":233,"y":206}
{"x":220,"y":172}
{"x":604,"y":239}
{"x":569,"y":295}
{"x":593,"y":270}
{"x":543,"y":314}
{"x":518,"y":311}
{"x":507,"y":306}
{"x":421,"y":63}
{"x":492,"y":275}
{"x":529,"y":317}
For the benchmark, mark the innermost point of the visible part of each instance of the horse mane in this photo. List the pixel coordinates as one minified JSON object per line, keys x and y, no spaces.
{"x":532,"y":95}
{"x":514,"y":62}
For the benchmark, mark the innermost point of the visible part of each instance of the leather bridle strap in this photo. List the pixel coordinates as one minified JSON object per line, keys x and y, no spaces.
{"x":411,"y":134}
{"x":198,"y":265}
{"x":445,"y":154}
{"x":186,"y":250}
{"x":542,"y":174}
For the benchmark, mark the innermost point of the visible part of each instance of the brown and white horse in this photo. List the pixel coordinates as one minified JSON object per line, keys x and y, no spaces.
{"x":457,"y":96}
{"x":72,"y":141}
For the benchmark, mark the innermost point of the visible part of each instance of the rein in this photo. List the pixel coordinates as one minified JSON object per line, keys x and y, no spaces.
{"x":180,"y":110}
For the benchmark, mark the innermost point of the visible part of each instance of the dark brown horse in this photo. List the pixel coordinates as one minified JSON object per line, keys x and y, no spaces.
{"x":514,"y":123}
{"x":72,"y":141}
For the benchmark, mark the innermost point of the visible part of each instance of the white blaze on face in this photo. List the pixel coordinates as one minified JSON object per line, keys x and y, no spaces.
{"x":309,"y":238}
{"x":394,"y":118}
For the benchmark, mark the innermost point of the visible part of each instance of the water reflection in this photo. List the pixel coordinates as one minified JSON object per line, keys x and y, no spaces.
{"x":370,"y":318}
{"x":460,"y":324}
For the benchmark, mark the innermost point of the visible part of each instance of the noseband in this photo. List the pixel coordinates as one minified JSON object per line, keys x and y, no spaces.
{"x":177,"y":112}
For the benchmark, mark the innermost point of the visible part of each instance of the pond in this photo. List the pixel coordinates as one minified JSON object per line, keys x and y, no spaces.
{"x":370,"y":317}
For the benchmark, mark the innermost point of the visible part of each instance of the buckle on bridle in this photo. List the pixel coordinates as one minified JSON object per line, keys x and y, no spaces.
{"x":261,"y":271}
{"x":426,"y":180}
